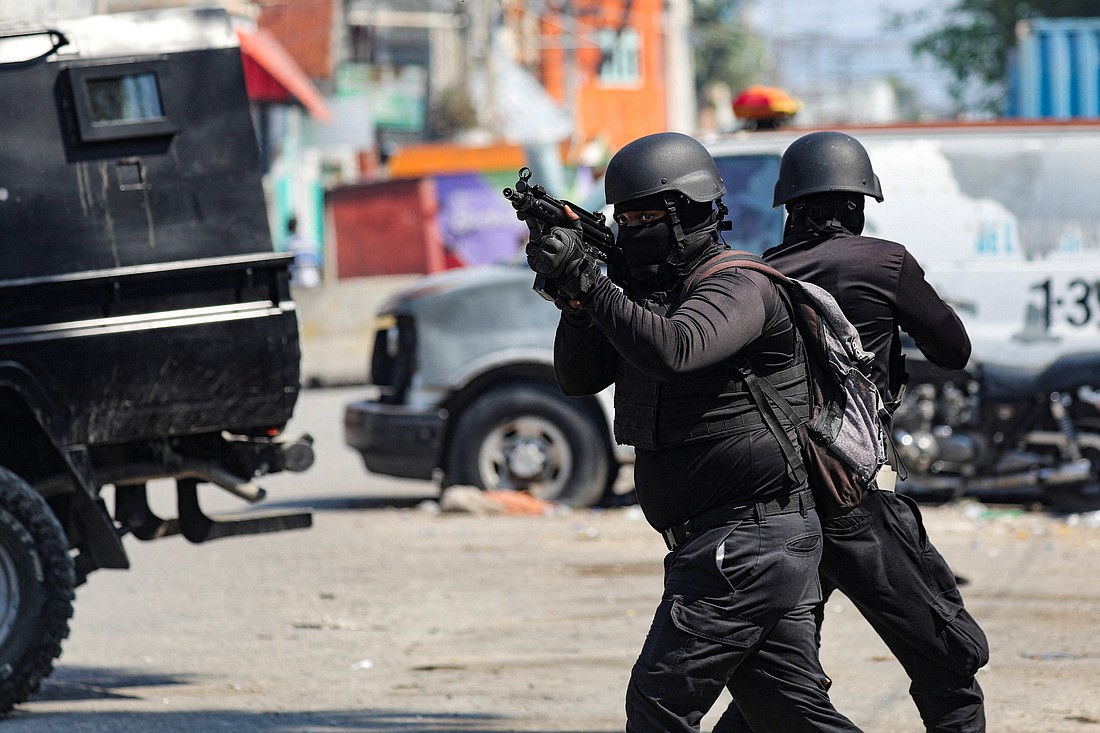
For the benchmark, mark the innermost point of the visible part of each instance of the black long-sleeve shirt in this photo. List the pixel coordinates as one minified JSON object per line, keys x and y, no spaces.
{"x":880,"y":287}
{"x":731,"y":312}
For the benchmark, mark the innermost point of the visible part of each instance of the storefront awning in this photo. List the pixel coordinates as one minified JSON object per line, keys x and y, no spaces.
{"x":272,"y":75}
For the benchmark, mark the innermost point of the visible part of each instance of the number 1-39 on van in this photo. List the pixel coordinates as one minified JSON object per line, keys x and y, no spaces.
{"x":1078,"y":304}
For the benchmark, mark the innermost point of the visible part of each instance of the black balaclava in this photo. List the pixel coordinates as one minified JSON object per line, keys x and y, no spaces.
{"x":824,"y":214}
{"x":654,"y":260}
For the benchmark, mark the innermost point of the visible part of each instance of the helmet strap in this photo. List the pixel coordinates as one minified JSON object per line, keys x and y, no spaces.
{"x":677,"y":229}
{"x":724,"y":224}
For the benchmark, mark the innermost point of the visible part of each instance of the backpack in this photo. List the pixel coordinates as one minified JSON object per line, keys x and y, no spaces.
{"x":843,"y":442}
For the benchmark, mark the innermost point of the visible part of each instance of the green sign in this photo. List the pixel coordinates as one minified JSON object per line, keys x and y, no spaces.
{"x":397,"y":94}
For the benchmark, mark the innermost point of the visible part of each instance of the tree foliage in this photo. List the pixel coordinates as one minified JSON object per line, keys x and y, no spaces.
{"x":975,"y":38}
{"x":725,"y":50}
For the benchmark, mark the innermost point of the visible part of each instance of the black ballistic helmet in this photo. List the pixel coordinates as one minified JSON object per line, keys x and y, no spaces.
{"x":665,"y":161}
{"x":822,"y":162}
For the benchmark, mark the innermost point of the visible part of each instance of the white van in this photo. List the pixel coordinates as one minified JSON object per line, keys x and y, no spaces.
{"x":1004,"y":219}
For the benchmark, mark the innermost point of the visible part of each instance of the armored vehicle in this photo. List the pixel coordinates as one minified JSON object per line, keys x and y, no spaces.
{"x":147,"y":330}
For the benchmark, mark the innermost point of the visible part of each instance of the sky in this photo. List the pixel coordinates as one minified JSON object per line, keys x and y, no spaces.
{"x":818,"y":41}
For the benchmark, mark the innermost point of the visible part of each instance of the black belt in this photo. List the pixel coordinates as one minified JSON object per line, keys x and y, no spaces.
{"x":677,"y":534}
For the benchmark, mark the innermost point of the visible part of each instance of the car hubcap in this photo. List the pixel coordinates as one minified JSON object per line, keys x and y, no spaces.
{"x":529,"y":453}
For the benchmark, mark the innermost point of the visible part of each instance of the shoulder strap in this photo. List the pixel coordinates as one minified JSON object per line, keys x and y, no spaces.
{"x":734,"y":258}
{"x":764,"y":395}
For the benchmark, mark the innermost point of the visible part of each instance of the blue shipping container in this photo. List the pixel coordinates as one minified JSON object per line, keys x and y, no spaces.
{"x":1056,"y":73}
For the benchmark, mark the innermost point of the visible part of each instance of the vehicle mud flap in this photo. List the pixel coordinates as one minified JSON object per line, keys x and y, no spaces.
{"x":197,"y":527}
{"x":104,"y":546}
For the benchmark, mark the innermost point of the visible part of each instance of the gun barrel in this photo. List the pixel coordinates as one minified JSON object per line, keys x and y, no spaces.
{"x":531,"y":202}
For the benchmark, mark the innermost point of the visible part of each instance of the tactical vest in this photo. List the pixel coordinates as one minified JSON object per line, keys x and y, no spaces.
{"x":651,"y":415}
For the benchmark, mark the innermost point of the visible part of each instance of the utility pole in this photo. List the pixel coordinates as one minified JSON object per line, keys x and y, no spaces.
{"x":679,"y":67}
{"x":482,"y":21}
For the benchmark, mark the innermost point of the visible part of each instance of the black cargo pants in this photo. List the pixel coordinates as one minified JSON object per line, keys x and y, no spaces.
{"x":737,"y":611}
{"x":880,"y":557}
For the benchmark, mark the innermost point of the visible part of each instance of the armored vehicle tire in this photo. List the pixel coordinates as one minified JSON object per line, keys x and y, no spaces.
{"x":36,"y":589}
{"x":531,"y":437}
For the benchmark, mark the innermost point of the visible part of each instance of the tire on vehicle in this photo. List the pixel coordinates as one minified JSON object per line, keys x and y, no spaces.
{"x":531,"y":437}
{"x":36,"y":589}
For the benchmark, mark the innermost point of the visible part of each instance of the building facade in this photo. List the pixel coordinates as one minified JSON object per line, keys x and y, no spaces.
{"x":620,"y":67}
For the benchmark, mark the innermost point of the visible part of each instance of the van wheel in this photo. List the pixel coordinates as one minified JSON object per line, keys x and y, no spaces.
{"x":36,"y":589}
{"x":529,"y":437}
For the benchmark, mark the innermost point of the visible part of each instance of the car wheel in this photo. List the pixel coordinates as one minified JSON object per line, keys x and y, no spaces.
{"x":36,"y":589}
{"x":532,"y":438}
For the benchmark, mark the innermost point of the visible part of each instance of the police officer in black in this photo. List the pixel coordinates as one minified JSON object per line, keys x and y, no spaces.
{"x":740,"y":580}
{"x":879,"y":554}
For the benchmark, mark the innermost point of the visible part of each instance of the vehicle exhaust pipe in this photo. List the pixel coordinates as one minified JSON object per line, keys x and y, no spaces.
{"x":295,"y":455}
{"x":1075,"y":472}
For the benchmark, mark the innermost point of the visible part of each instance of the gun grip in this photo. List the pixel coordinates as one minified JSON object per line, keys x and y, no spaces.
{"x":545,"y":288}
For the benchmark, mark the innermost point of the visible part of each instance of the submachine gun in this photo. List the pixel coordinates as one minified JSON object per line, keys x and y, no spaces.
{"x":541,"y":212}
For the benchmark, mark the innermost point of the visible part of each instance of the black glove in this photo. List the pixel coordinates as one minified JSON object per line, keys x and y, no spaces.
{"x":559,"y":257}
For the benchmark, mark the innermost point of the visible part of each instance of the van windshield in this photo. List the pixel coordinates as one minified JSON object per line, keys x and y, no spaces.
{"x":750,"y":183}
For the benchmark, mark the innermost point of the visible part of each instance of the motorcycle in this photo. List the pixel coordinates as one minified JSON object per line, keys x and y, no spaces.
{"x":997,"y":432}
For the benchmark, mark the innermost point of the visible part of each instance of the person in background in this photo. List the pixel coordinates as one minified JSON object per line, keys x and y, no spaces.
{"x":879,"y":554}
{"x":305,"y":271}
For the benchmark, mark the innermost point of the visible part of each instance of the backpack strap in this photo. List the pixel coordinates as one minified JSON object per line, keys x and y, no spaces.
{"x":734,"y":258}
{"x":763,"y":392}
{"x":764,"y":395}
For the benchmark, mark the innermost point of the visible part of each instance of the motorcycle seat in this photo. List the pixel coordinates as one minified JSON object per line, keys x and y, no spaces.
{"x":1004,"y":383}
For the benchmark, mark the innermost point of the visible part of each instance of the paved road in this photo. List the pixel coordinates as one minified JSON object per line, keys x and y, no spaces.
{"x":387,"y":616}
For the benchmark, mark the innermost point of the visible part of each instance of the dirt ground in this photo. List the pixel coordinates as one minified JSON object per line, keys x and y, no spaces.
{"x":388,"y":615}
{"x":403,"y":619}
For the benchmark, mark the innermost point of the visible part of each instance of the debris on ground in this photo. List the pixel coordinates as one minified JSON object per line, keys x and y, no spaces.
{"x":472,"y":500}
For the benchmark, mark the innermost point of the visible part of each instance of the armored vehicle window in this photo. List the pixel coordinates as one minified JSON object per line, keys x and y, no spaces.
{"x":124,"y":99}
{"x":119,"y":101}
